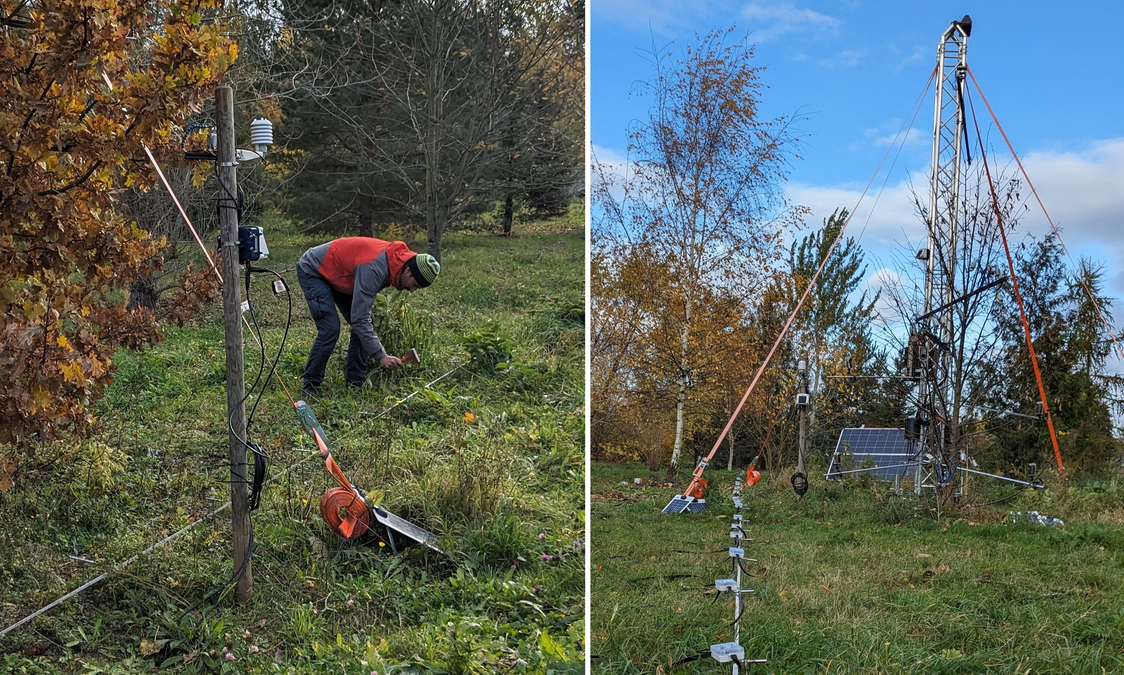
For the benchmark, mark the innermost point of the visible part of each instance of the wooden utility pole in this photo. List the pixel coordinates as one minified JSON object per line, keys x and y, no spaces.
{"x":802,"y":373}
{"x":232,"y":323}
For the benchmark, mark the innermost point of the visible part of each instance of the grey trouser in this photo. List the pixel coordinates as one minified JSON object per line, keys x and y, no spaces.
{"x":323,"y":301}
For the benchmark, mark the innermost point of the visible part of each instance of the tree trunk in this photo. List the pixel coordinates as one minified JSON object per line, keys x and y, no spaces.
{"x":730,"y":455}
{"x":435,"y":226}
{"x":508,"y":211}
{"x":142,"y":293}
{"x":365,"y":229}
{"x":677,"y":449}
{"x":681,"y":401}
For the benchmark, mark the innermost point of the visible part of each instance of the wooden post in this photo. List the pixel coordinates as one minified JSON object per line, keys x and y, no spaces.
{"x":232,"y":323}
{"x":803,"y":375}
{"x":800,"y":457}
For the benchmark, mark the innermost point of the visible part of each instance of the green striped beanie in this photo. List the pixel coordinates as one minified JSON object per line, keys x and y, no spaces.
{"x":424,"y":267}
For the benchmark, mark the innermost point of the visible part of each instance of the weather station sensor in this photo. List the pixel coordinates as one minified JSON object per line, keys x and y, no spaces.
{"x":261,"y":137}
{"x":737,"y":552}
{"x":725,"y":585}
{"x":803,"y":398}
{"x":727,"y":652}
{"x":251,"y":244}
{"x":252,"y":247}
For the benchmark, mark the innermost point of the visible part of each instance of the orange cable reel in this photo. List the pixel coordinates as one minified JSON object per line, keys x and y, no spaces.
{"x":345,"y":513}
{"x":752,"y":476}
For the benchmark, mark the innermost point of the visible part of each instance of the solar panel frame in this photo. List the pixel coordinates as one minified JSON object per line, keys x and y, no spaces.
{"x":886,"y":448}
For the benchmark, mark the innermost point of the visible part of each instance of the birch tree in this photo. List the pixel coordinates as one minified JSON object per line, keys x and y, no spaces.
{"x":702,"y":192}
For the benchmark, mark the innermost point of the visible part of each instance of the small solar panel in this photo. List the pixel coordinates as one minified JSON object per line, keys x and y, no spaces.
{"x":678,"y":504}
{"x":697,"y":506}
{"x":885,"y":450}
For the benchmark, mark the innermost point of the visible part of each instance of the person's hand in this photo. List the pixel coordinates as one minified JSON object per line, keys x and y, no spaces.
{"x":389,"y":362}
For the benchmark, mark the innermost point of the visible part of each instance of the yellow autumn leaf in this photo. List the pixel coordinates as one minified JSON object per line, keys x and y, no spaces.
{"x":64,"y":343}
{"x":41,"y":398}
{"x":72,"y":372}
{"x":469,"y":417}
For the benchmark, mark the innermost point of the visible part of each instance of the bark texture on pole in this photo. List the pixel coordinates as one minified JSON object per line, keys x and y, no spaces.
{"x":232,"y":323}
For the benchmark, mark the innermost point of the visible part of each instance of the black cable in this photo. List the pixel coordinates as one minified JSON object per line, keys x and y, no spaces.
{"x":284,"y":336}
{"x":701,"y":654}
{"x":799,"y":484}
{"x":741,"y":610}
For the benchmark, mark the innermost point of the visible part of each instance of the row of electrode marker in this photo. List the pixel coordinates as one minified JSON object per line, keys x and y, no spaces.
{"x":733,"y":652}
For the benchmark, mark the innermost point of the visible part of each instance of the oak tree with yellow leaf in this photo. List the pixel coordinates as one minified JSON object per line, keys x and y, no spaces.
{"x":83,"y":86}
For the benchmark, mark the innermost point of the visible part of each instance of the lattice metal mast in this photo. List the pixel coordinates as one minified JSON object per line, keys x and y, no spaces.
{"x":934,"y":388}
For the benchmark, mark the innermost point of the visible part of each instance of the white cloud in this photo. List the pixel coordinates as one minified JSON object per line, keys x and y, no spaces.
{"x":771,"y":20}
{"x":612,"y":166}
{"x":888,"y":134}
{"x":888,"y":220}
{"x":846,"y":58}
{"x":878,"y":281}
{"x":664,"y":17}
{"x":1082,"y":192}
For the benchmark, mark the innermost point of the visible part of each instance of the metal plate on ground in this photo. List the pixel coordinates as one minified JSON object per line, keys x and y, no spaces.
{"x":400,"y":526}
{"x":884,"y":451}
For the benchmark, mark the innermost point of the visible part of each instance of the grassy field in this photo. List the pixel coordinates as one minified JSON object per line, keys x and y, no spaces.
{"x":489,"y":459}
{"x":853,"y":580}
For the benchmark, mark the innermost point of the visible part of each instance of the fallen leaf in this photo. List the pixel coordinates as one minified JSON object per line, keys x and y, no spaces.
{"x":943,"y":568}
{"x":784,"y":591}
{"x":150,"y":647}
{"x":924,"y":555}
{"x":824,"y":589}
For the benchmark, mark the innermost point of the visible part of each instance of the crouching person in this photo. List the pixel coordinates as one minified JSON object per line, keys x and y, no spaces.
{"x":345,"y":275}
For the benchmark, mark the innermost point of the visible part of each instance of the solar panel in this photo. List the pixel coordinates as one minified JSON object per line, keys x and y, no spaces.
{"x":697,"y":506}
{"x":884,"y":450}
{"x":677,"y":505}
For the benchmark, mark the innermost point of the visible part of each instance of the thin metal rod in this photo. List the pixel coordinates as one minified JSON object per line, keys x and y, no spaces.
{"x":872,"y":468}
{"x":1007,"y":412}
{"x":868,"y":377}
{"x":423,"y":388}
{"x":962,"y":298}
{"x":1036,"y":486}
{"x":130,"y":561}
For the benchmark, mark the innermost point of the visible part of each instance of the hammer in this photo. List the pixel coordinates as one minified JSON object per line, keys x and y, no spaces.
{"x":411,"y":357}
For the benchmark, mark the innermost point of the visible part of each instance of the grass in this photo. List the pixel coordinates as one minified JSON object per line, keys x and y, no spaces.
{"x":853,"y":580}
{"x":491,"y":460}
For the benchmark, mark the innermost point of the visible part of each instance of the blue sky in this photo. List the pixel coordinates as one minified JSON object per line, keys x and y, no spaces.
{"x":854,"y":70}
